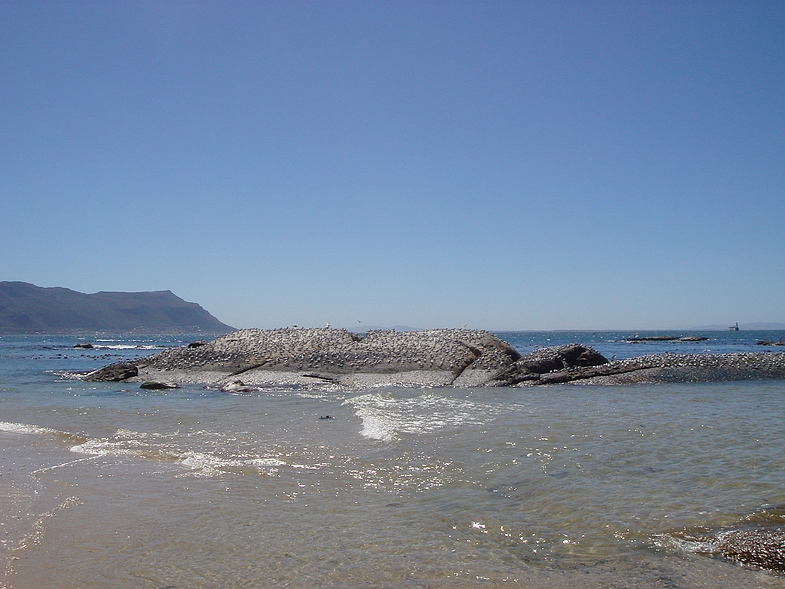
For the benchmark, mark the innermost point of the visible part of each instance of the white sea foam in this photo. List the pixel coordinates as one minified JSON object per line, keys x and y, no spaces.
{"x":208,"y":465}
{"x":152,"y":446}
{"x":109,"y":447}
{"x":127,"y":347}
{"x":27,"y":429}
{"x":129,"y":443}
{"x":684,"y":545}
{"x":266,"y":462}
{"x":385,"y":416}
{"x":23,"y":428}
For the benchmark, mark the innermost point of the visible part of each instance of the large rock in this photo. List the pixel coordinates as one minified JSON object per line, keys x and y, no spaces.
{"x":550,"y":365}
{"x":309,"y":356}
{"x":114,"y":372}
{"x":439,"y":357}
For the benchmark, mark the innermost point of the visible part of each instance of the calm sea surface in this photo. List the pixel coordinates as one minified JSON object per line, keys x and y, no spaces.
{"x":105,"y":485}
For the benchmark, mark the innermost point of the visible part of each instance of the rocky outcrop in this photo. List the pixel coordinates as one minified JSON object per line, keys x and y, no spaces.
{"x":655,"y":368}
{"x":307,"y":356}
{"x":114,"y":372}
{"x":550,"y":365}
{"x":440,"y":357}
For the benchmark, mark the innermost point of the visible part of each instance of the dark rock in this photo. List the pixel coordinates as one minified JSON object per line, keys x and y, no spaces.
{"x":113,"y":373}
{"x":86,"y":346}
{"x":561,"y":357}
{"x":197,"y":344}
{"x":320,"y":376}
{"x":576,"y":355}
{"x":555,"y":377}
{"x":154,"y":385}
{"x":550,"y":365}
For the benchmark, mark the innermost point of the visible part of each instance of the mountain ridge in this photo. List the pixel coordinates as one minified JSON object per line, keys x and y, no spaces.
{"x":27,"y":308}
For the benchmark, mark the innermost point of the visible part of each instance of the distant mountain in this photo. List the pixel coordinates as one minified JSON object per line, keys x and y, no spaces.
{"x":26,"y":308}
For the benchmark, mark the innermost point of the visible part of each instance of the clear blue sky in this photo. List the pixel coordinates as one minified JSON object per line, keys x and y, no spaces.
{"x":508,"y":165}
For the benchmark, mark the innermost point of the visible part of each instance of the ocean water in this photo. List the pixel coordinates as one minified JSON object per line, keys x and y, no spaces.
{"x":105,"y":485}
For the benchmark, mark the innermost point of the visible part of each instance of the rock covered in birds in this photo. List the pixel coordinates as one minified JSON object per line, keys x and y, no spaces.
{"x":440,"y":357}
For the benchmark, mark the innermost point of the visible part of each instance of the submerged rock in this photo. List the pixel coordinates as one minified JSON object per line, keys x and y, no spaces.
{"x":756,"y":541}
{"x":759,"y":541}
{"x":760,"y":548}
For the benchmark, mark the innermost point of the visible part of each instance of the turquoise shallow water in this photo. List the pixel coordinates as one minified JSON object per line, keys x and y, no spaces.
{"x":107,"y":485}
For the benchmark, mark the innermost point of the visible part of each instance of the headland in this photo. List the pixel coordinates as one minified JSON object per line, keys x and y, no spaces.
{"x":27,"y":309}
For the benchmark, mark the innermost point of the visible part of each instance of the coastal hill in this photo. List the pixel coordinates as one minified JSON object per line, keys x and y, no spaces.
{"x":26,"y":308}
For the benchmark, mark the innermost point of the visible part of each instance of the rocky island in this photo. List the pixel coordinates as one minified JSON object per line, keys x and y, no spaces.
{"x":254,"y":358}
